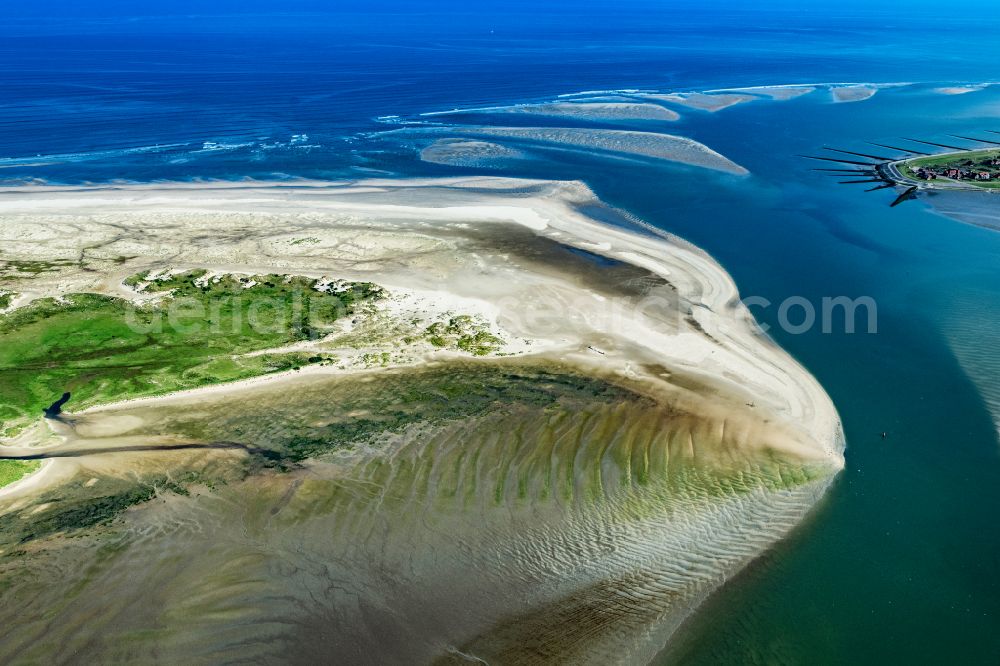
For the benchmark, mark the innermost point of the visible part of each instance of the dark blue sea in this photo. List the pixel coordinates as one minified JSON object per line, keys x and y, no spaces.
{"x":901,"y":561}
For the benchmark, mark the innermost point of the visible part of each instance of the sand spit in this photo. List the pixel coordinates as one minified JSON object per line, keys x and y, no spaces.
{"x":651,"y":145}
{"x":576,"y":530}
{"x":583,"y":110}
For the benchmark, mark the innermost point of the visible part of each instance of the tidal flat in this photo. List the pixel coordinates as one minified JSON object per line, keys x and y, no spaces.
{"x":368,"y":503}
{"x":508,"y":431}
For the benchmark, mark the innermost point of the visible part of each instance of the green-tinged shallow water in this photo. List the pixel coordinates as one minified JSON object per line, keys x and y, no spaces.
{"x":523,"y":513}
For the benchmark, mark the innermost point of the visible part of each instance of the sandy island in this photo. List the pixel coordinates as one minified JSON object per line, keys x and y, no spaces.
{"x":558,"y":287}
{"x":367,"y":230}
{"x":853,"y":93}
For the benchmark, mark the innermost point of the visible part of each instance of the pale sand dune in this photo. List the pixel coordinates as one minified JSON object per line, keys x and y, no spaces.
{"x":584,"y":110}
{"x":430,"y":532}
{"x":653,"y":145}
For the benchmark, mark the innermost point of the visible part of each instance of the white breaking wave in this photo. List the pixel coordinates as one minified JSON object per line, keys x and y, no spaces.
{"x":584,"y":110}
{"x":60,"y":158}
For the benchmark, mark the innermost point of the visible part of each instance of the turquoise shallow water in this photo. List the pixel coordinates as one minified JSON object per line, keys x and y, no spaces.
{"x":901,"y":561}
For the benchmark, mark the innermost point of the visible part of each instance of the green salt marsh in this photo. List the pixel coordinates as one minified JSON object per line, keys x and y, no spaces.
{"x":199,"y":331}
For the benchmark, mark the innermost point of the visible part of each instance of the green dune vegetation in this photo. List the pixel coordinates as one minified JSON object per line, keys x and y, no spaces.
{"x":195,"y":331}
{"x":464,"y":333}
{"x":15,"y":470}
